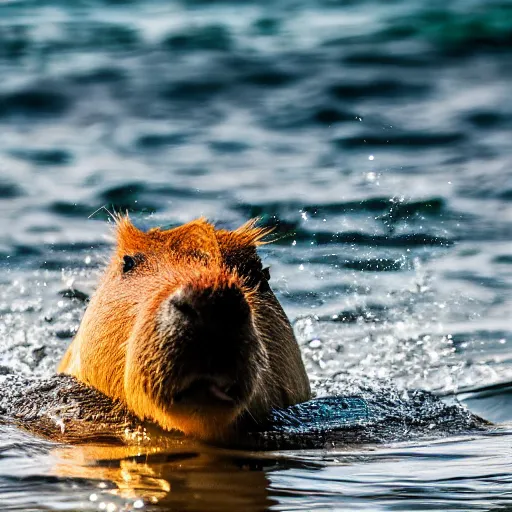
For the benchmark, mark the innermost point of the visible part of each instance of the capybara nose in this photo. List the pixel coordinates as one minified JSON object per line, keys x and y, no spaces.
{"x":222,"y":306}
{"x":211,"y":331}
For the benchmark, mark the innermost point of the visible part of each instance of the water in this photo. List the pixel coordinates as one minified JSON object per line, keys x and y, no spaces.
{"x":375,"y":135}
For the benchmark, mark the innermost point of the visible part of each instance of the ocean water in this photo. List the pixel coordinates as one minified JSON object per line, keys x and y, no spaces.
{"x":375,"y":135}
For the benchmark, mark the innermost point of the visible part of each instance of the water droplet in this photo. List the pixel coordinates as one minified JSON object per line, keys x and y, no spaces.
{"x":315,"y":343}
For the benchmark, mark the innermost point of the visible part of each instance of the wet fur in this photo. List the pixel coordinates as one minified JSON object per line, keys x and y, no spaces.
{"x":122,"y":347}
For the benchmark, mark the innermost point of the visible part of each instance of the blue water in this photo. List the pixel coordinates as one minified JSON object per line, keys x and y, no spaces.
{"x":375,"y":135}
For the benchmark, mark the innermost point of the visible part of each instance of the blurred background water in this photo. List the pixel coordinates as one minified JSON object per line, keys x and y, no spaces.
{"x":376,"y":136}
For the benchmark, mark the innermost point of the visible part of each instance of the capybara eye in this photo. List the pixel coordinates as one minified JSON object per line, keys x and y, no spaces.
{"x":128,"y":263}
{"x":263,"y":285}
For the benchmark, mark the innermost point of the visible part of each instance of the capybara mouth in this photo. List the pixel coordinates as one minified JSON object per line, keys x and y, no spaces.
{"x":207,"y":392}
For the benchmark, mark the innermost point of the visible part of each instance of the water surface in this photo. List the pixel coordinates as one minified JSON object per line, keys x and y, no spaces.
{"x":374,"y":135}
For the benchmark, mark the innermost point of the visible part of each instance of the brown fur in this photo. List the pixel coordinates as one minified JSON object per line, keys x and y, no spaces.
{"x":134,"y":346}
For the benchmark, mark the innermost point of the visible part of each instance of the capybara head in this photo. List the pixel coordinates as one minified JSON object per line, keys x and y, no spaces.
{"x":186,"y":331}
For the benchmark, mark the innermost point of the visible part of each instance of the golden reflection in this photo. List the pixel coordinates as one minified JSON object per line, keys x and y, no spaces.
{"x":170,"y":471}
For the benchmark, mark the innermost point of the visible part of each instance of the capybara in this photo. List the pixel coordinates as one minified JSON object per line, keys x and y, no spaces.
{"x":185,"y":330}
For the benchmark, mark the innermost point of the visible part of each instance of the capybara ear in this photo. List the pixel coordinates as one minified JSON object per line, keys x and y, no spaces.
{"x":128,"y":237}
